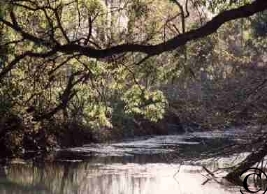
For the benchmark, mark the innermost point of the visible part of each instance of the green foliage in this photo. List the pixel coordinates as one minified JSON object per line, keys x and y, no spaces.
{"x":140,"y":101}
{"x":221,"y":5}
{"x":92,"y":6}
{"x":140,"y":8}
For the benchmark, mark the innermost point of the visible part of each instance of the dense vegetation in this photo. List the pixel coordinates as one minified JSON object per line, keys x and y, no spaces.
{"x":87,"y":70}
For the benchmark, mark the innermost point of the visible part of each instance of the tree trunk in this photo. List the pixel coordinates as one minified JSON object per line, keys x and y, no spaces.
{"x":252,"y":159}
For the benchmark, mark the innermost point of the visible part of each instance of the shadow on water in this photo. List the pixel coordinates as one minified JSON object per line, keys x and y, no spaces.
{"x":131,"y":167}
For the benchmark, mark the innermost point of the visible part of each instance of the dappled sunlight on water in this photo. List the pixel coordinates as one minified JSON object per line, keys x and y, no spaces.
{"x":154,"y":145}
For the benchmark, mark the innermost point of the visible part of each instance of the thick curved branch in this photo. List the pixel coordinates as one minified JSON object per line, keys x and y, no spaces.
{"x":180,"y":40}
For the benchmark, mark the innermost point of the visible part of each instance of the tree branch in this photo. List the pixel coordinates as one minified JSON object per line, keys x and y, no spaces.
{"x":180,"y":40}
{"x":18,"y":58}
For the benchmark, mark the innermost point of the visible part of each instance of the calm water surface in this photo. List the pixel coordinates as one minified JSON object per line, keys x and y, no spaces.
{"x":155,"y":165}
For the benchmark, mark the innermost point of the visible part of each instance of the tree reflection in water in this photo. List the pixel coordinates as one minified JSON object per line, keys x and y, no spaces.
{"x":141,"y":172}
{"x":88,"y":178}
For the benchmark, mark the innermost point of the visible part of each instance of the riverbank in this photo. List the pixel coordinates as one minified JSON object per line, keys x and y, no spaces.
{"x":18,"y":137}
{"x":20,"y":140}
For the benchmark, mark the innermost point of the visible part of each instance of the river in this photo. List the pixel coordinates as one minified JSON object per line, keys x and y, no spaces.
{"x":151,"y":165}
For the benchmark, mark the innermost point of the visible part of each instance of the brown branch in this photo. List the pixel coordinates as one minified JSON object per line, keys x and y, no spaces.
{"x":247,"y":163}
{"x":59,"y":24}
{"x":180,"y":40}
{"x":182,"y":14}
{"x":186,"y":9}
{"x":62,"y":64}
{"x":90,"y":27}
{"x":18,"y":58}
{"x":65,"y":97}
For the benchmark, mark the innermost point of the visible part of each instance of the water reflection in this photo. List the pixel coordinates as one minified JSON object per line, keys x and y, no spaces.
{"x":85,"y":178}
{"x":133,"y":167}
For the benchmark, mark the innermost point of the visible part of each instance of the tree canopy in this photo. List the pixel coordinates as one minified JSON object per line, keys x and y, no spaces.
{"x":55,"y":38}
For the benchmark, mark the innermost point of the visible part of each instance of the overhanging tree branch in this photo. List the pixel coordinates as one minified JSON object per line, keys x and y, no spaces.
{"x":169,"y":45}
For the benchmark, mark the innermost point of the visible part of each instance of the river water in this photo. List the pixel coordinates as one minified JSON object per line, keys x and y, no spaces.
{"x":151,"y":165}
